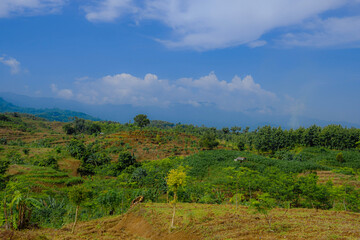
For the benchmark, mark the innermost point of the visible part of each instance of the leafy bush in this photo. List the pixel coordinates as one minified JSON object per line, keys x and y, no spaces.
{"x":340,"y":157}
{"x":208,"y":141}
{"x":74,"y":181}
{"x":15,"y":157}
{"x":49,"y":161}
{"x":345,"y":170}
{"x":50,"y":213}
{"x":3,"y":141}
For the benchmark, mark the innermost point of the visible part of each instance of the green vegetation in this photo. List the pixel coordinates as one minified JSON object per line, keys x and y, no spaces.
{"x":141,"y":120}
{"x":175,"y":179}
{"x":53,"y":174}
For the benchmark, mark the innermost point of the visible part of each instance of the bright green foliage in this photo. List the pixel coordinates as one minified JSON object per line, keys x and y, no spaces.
{"x":79,"y":194}
{"x":110,"y":200}
{"x":51,"y":212}
{"x":18,"y":207}
{"x":338,"y":196}
{"x":76,"y":148}
{"x":263,"y":205}
{"x":244,"y":179}
{"x":315,"y":195}
{"x":176,"y":179}
{"x":49,"y":161}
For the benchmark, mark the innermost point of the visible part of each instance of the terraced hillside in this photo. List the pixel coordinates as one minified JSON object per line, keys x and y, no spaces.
{"x":51,"y":172}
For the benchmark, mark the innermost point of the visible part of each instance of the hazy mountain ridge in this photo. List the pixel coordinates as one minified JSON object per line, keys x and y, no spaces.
{"x":186,"y":114}
{"x":51,"y":114}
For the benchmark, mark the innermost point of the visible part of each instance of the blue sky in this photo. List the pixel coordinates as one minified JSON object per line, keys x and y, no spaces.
{"x":263,"y":57}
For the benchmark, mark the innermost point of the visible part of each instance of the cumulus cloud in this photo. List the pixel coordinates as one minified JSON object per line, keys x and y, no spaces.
{"x":62,"y":93}
{"x":239,"y":94}
{"x":12,"y":63}
{"x":216,"y":24}
{"x":9,"y":8}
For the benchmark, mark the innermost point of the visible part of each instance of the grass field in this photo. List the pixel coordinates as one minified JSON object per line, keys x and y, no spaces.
{"x":204,"y":221}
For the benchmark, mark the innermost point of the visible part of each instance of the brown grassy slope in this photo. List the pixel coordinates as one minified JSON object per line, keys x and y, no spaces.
{"x":204,"y":221}
{"x":338,"y":178}
{"x":152,"y":145}
{"x":144,"y":144}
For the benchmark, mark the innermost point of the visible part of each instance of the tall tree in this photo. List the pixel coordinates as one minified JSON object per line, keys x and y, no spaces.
{"x":176,"y":179}
{"x":141,"y":120}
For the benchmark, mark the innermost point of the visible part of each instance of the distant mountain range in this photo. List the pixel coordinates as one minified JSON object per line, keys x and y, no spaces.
{"x":53,"y":114}
{"x":209,"y":116}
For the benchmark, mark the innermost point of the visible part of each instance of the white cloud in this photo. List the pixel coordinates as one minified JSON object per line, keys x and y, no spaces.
{"x":215,"y":24}
{"x":236,"y":95}
{"x":12,"y":63}
{"x":9,"y":8}
{"x":62,"y":93}
{"x":109,"y":10}
{"x":324,"y":33}
{"x":220,"y":24}
{"x":257,"y":43}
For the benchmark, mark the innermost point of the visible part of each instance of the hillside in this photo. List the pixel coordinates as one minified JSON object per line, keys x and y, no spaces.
{"x":44,"y":164}
{"x":53,"y":114}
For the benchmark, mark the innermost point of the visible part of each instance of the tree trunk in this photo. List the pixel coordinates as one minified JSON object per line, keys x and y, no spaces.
{"x":173,"y":217}
{"x":174,"y":211}
{"x":250,"y":191}
{"x":269,"y":222}
{"x":236,"y":203}
{"x":76,"y":217}
{"x":6,"y":216}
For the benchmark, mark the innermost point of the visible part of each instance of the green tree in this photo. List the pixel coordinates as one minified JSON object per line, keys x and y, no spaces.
{"x":78,"y":195}
{"x":311,"y":136}
{"x":175,"y":179}
{"x":126,"y":159}
{"x":241,"y":145}
{"x":17,"y":212}
{"x":235,"y":129}
{"x":244,"y":179}
{"x":208,"y":141}
{"x":4,"y":164}
{"x":264,"y":205}
{"x":69,"y":129}
{"x":141,"y":120}
{"x":225,"y":130}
